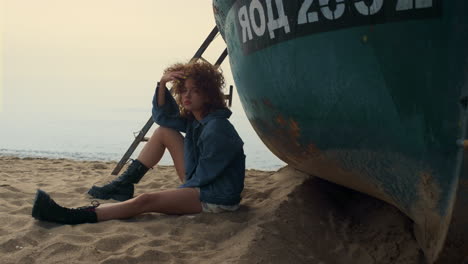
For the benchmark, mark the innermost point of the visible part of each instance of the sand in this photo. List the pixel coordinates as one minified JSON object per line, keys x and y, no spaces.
{"x":285,"y":217}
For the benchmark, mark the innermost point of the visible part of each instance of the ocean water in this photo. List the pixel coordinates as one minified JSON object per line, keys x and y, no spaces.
{"x":78,"y":86}
{"x":102,"y":134}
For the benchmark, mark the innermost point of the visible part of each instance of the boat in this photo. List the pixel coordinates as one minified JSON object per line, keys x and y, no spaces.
{"x":368,"y":94}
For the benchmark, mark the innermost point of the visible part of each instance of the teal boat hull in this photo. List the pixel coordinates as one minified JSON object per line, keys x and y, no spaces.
{"x":366,"y":99}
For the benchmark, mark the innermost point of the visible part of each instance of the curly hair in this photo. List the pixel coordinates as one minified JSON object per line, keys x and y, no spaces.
{"x":208,"y":79}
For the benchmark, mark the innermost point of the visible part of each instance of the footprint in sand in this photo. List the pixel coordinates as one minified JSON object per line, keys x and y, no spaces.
{"x":115,"y":243}
{"x":99,"y":167}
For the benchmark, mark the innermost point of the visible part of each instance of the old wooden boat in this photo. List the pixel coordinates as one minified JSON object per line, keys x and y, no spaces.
{"x":369,"y":94}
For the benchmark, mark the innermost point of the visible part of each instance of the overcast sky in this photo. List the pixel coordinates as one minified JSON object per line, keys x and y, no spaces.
{"x":68,"y":54}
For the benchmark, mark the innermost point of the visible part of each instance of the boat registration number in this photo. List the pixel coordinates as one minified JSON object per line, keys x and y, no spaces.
{"x":262,"y":23}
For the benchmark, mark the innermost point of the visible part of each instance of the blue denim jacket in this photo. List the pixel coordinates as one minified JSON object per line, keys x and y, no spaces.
{"x":213,"y":152}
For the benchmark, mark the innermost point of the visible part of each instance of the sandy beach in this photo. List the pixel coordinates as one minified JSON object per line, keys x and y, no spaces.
{"x":285,"y":217}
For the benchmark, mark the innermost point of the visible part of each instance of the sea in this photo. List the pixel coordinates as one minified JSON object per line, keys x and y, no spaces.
{"x":103,"y":134}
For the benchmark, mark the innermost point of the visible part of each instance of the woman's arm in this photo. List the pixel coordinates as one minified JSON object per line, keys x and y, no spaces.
{"x":168,"y":77}
{"x":165,"y":109}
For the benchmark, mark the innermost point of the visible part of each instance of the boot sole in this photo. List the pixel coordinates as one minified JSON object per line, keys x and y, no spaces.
{"x":98,"y":195}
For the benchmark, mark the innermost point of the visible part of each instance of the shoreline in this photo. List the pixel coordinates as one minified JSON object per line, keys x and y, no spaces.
{"x":93,"y":157}
{"x":285,"y":216}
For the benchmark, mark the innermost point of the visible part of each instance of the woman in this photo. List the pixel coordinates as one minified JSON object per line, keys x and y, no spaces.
{"x":209,"y":161}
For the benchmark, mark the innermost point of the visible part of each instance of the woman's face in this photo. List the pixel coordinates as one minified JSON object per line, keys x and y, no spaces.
{"x":192,"y":97}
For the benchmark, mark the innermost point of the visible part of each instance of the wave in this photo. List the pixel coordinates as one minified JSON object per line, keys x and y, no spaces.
{"x":88,"y":156}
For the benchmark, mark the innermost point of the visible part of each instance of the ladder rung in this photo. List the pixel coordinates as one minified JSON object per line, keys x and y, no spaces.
{"x":206,"y":43}
{"x":221,"y":58}
{"x":228,"y":96}
{"x":203,"y":59}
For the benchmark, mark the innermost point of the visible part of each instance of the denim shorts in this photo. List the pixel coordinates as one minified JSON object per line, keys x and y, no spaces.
{"x":217,"y":208}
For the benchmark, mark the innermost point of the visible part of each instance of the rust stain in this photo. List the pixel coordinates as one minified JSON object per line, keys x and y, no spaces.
{"x":280,"y":120}
{"x":268,"y":103}
{"x":294,"y":127}
{"x":283,"y":138}
{"x":281,"y":134}
{"x":311,"y":148}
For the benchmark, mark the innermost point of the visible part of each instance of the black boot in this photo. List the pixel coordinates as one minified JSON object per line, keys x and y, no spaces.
{"x":121,"y":189}
{"x":46,"y":209}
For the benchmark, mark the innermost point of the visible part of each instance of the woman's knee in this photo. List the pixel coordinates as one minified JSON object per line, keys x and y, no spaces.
{"x":174,"y":142}
{"x":165,"y":131}
{"x":171,"y":138}
{"x":143,"y":201}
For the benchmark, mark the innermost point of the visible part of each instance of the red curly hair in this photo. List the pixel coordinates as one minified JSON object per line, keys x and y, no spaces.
{"x":208,"y":79}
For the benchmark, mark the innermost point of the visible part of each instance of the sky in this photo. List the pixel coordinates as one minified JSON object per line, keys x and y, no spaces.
{"x":79,"y":76}
{"x":95,"y":54}
{"x":2,"y":22}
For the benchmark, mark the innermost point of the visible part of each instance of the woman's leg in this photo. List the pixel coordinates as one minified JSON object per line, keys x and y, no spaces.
{"x":122,"y":188}
{"x":161,"y":139}
{"x":177,"y":201}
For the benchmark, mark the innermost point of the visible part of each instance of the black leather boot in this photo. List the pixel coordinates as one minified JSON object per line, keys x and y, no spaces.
{"x":46,"y":209}
{"x":121,"y":189}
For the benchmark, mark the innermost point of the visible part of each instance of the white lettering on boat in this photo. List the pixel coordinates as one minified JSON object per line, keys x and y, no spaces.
{"x":305,"y":16}
{"x":248,"y":22}
{"x":332,"y":14}
{"x":280,"y":22}
{"x":245,"y":24}
{"x":255,"y":5}
{"x":365,"y":9}
{"x":256,"y":17}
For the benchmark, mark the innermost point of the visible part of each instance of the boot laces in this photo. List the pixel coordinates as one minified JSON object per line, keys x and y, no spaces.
{"x":94,"y":204}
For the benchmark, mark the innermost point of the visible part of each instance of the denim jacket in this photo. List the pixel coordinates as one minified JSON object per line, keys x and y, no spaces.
{"x":213,"y":151}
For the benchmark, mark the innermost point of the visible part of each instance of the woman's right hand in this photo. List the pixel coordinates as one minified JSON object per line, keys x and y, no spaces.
{"x":173,"y":76}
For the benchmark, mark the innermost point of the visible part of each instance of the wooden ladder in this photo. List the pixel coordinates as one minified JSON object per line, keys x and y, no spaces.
{"x":198,"y":56}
